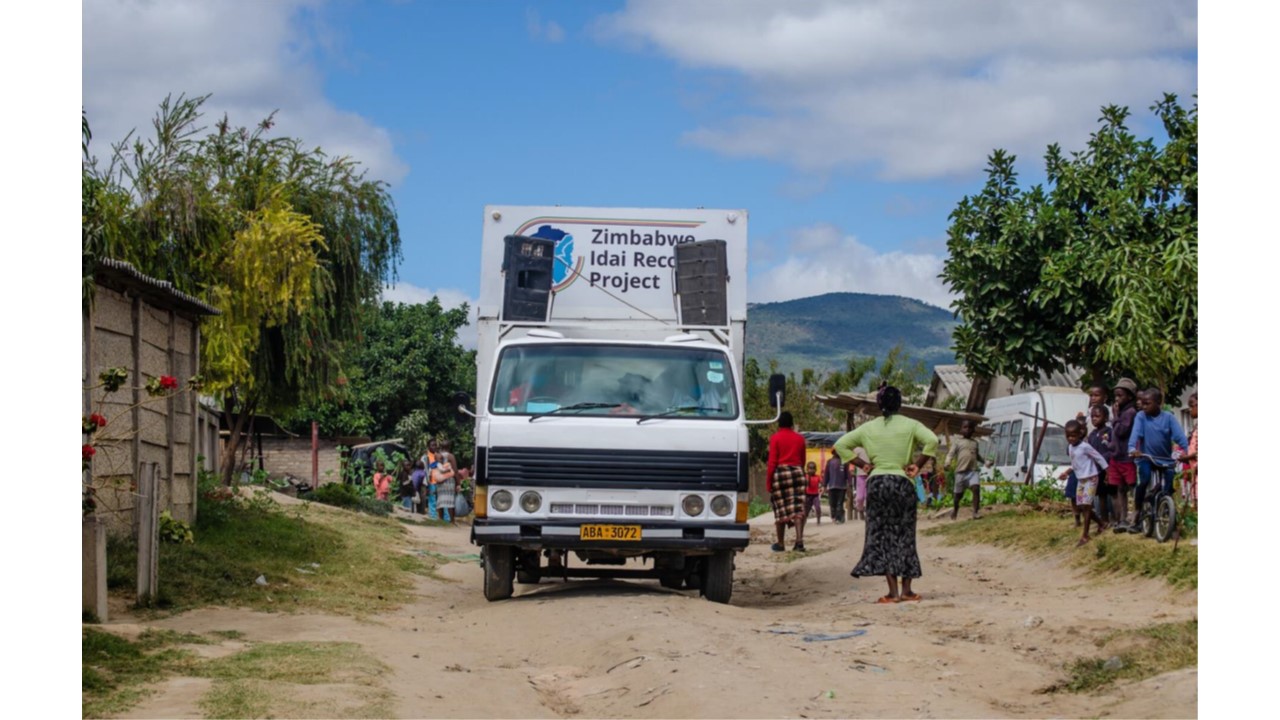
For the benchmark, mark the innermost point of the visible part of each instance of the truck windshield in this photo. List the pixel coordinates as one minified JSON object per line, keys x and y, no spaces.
{"x":615,"y":380}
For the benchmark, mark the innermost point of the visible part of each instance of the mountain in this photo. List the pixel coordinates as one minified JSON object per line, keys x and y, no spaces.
{"x":822,"y":332}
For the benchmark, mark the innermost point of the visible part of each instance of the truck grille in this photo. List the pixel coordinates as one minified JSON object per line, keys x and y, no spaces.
{"x":613,"y":468}
{"x":664,"y":511}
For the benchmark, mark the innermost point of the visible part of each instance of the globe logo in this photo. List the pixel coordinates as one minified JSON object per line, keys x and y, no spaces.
{"x":563,"y":269}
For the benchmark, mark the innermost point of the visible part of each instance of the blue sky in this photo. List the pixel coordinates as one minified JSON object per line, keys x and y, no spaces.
{"x":848,"y":130}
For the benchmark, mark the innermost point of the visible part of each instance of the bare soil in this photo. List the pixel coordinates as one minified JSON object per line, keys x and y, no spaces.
{"x":995,"y":628}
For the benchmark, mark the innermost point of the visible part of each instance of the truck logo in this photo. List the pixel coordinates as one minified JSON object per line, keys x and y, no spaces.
{"x":564,"y":271}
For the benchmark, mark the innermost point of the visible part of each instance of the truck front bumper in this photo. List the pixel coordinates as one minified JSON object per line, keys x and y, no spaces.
{"x":652,"y":536}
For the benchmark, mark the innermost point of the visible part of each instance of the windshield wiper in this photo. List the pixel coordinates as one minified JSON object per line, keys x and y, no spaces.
{"x":682,"y":408}
{"x":576,"y":406}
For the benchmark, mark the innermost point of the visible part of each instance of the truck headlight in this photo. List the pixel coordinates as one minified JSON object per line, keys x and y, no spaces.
{"x":692,"y":505}
{"x":721,"y":505}
{"x":530,"y":502}
{"x":501,"y":500}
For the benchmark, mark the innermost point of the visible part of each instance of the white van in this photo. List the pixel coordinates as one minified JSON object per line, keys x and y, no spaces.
{"x":1016,"y":422}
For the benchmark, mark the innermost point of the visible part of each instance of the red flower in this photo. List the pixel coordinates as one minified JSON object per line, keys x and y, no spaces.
{"x":168,"y":382}
{"x":98,"y":420}
{"x":87,"y":452}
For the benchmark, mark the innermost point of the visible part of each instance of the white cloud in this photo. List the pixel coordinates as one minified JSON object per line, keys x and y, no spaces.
{"x":253,"y":57}
{"x":449,"y":299}
{"x":551,"y":31}
{"x":821,"y":259}
{"x":914,"y":88}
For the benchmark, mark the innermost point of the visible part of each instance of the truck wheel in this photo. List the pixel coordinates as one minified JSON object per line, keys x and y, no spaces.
{"x":529,"y":572}
{"x":717,"y":582}
{"x":498,"y":571}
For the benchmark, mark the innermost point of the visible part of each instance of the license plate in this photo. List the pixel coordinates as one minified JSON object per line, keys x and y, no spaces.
{"x":610,"y":532}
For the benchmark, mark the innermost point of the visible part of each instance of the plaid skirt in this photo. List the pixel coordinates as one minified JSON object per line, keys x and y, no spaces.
{"x":787,"y":497}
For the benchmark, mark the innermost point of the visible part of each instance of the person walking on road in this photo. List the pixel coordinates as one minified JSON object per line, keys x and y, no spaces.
{"x":964,"y":452}
{"x":813,"y":492}
{"x":836,"y":479}
{"x":785,"y":481}
{"x":897,"y":447}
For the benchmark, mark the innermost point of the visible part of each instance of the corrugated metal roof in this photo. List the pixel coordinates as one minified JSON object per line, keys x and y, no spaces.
{"x":933,"y":418}
{"x":122,"y":275}
{"x":954,"y":379}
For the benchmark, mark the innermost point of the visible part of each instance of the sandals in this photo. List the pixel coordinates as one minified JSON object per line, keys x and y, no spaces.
{"x":910,"y":597}
{"x":887,"y":600}
{"x":777,"y":547}
{"x":798,"y":547}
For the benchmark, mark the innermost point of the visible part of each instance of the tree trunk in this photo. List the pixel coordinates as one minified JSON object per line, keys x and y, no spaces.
{"x":237,"y":422}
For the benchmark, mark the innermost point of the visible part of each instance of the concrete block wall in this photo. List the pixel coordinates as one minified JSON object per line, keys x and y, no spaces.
{"x":292,"y":456}
{"x":141,"y":428}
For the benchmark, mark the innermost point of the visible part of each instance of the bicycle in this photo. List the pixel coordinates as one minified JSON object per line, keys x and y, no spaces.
{"x":1158,"y":517}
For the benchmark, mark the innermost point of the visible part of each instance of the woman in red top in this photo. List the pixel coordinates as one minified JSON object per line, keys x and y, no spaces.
{"x":786,"y":482}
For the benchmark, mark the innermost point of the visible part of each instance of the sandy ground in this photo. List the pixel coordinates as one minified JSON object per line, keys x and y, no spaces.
{"x":994,"y":628}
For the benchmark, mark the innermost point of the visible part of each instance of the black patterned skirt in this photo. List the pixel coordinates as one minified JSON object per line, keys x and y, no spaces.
{"x":890,"y":546}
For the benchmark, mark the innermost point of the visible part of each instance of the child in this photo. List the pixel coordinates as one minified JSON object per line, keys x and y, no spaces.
{"x":813,"y":493}
{"x":1155,"y":430}
{"x":1100,"y":439}
{"x":417,"y":477}
{"x":964,"y":452}
{"x":405,"y":484}
{"x":860,"y":483}
{"x":446,"y":486}
{"x":1088,"y":465}
{"x":1190,"y":464}
{"x":381,"y":482}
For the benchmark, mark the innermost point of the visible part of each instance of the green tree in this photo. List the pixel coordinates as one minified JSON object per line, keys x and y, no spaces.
{"x":1098,"y":271}
{"x":408,"y":365}
{"x":860,"y":374}
{"x":289,"y":243}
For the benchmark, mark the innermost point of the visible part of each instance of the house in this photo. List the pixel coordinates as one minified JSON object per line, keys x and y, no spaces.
{"x":952,"y":381}
{"x":150,"y":329}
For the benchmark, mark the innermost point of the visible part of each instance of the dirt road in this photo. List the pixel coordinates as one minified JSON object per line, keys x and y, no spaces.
{"x":994,"y":627}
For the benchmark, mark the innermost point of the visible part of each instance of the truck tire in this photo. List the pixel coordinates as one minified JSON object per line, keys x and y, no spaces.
{"x":717,"y":582}
{"x":499,"y":569}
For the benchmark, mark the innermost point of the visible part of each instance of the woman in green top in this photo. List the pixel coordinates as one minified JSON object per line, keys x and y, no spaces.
{"x":890,"y":441}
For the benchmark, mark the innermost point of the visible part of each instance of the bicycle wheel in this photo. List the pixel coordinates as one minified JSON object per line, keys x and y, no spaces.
{"x":1166,"y":518}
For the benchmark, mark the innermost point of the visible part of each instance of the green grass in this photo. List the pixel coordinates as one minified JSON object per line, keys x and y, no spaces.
{"x":1039,"y":533}
{"x":264,"y":681}
{"x":313,"y":558}
{"x":1143,"y":653}
{"x":114,"y":670}
{"x":758,"y":506}
{"x":259,"y":682}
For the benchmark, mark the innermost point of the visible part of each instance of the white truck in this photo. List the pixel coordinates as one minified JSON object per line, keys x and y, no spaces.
{"x":1017,"y":423}
{"x":610,"y":432}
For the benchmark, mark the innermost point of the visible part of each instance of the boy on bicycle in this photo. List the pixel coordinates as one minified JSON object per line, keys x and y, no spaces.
{"x":1155,"y":430}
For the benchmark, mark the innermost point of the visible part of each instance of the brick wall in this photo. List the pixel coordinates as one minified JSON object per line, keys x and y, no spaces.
{"x":292,"y":456}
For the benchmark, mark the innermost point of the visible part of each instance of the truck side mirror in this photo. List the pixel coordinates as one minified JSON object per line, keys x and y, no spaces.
{"x":460,"y":401}
{"x":777,"y":390}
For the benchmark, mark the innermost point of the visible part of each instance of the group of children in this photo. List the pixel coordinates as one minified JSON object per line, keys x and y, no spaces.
{"x":836,"y":481}
{"x":1142,"y":445}
{"x":428,"y":485}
